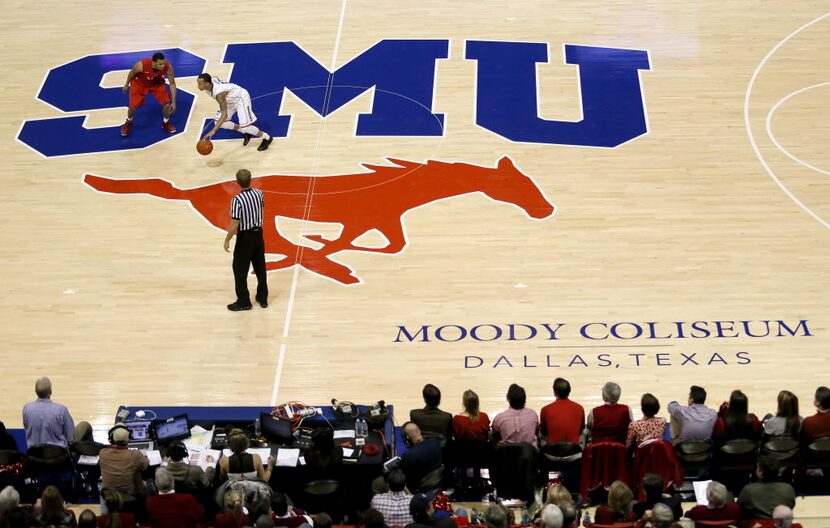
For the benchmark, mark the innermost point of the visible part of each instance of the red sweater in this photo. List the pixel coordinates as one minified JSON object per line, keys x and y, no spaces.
{"x":816,"y":426}
{"x":729,"y":512}
{"x":610,"y":423}
{"x":562,"y":421}
{"x":174,"y":510}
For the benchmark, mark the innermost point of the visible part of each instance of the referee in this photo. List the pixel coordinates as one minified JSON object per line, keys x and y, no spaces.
{"x":246,"y":224}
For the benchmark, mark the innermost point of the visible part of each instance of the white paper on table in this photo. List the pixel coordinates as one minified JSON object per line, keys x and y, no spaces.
{"x":101,"y":435}
{"x":154,"y":456}
{"x":200,"y":458}
{"x":87,"y":460}
{"x":347,"y":452}
{"x":200,"y":438}
{"x":287,"y":457}
{"x":700,"y":491}
{"x":263,"y":452}
{"x":344,"y":433}
{"x":301,"y":461}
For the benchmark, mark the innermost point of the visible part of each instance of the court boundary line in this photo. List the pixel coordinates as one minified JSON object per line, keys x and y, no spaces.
{"x":748,"y":126}
{"x":775,"y":141}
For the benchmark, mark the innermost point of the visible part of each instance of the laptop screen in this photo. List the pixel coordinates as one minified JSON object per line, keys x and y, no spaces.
{"x":139,"y":430}
{"x":274,"y":429}
{"x":173,"y":429}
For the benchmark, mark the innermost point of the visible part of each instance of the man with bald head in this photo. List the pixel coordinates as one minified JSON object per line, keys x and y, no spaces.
{"x":45,"y":421}
{"x":421,"y":463}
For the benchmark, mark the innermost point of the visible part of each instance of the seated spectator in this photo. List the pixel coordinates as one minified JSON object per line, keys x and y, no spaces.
{"x":659,"y":517}
{"x":47,"y":422}
{"x":432,"y":421}
{"x":265,"y":521}
{"x":52,"y":511}
{"x":421,"y":460}
{"x":609,"y":422}
{"x":322,"y":520}
{"x":284,"y":514}
{"x":394,"y":504}
{"x":169,"y":509}
{"x":649,"y":427}
{"x":736,"y":422}
{"x":570,"y":514}
{"x":373,"y":519}
{"x":720,"y":507}
{"x":242,"y":465}
{"x":552,"y":517}
{"x":694,"y":422}
{"x":234,"y":515}
{"x":471,"y":424}
{"x":557,"y":493}
{"x":187,"y":474}
{"x":87,"y":519}
{"x":11,"y":514}
{"x":7,"y":441}
{"x":121,"y":467}
{"x":562,"y":420}
{"x":786,"y":421}
{"x":783,"y":517}
{"x":653,"y":486}
{"x":496,"y":516}
{"x":114,"y":517}
{"x":818,"y":425}
{"x":517,"y":423}
{"x":757,"y":500}
{"x":420,"y":507}
{"x":324,"y":458}
{"x":618,"y":508}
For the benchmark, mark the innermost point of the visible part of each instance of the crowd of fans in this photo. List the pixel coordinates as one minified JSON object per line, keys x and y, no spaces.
{"x":412,"y":494}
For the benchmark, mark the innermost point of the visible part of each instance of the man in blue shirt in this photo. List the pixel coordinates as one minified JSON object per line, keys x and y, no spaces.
{"x":45,"y":421}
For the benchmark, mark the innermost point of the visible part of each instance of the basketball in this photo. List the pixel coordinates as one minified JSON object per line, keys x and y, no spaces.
{"x":204,"y":147}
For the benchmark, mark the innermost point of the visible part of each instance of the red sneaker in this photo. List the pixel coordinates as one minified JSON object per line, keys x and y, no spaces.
{"x":125,"y":128}
{"x":168,"y":126}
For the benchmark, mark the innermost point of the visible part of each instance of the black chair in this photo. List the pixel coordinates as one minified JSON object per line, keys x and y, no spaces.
{"x":53,"y":465}
{"x":735,"y":463}
{"x":695,"y":457}
{"x":564,"y":458}
{"x":324,"y":496}
{"x":88,"y":475}
{"x":515,"y":471}
{"x":13,"y":468}
{"x":784,"y":450}
{"x":468,"y":459}
{"x":815,"y":470}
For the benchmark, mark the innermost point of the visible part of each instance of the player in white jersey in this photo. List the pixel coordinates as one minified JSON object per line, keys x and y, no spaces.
{"x":232,"y":99}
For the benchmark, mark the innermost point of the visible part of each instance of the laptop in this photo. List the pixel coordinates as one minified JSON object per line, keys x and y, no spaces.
{"x":141,"y":436}
{"x":171,"y":429}
{"x":275,"y":430}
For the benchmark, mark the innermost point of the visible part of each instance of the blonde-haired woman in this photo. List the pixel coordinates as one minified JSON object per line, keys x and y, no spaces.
{"x":471,"y":424}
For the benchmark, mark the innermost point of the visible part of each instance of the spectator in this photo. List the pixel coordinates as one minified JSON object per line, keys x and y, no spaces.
{"x":53,"y":511}
{"x":818,"y":425}
{"x":517,"y":423}
{"x":11,"y":514}
{"x":421,"y":463}
{"x":169,"y":509}
{"x":373,"y":519}
{"x":757,"y":500}
{"x":322,"y":520}
{"x":420,"y":507}
{"x":242,"y":465}
{"x":609,"y":422}
{"x":266,"y":521}
{"x":649,"y":427}
{"x":694,"y":422}
{"x":557,"y":493}
{"x":720,"y":507}
{"x":783,"y":517}
{"x":324,"y":458}
{"x":47,"y":422}
{"x":618,"y":508}
{"x":121,"y":467}
{"x":432,"y":421}
{"x":114,"y":517}
{"x":661,"y":516}
{"x":471,"y":424}
{"x":187,"y":474}
{"x":653,"y":487}
{"x":394,"y":504}
{"x":570,"y":514}
{"x":786,"y":421}
{"x":562,"y":420}
{"x":284,"y":514}
{"x":234,"y":515}
{"x":87,"y":519}
{"x":736,"y":422}
{"x":552,"y":517}
{"x":7,"y":441}
{"x":495,"y":516}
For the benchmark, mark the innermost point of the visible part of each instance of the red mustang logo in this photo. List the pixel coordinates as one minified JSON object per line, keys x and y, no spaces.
{"x":362,"y":202}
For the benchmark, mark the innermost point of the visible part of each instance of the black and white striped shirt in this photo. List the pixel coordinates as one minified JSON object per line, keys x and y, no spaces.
{"x":247,"y":208}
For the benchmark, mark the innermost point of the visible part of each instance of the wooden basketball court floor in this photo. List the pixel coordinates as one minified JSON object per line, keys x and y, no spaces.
{"x":718,"y":214}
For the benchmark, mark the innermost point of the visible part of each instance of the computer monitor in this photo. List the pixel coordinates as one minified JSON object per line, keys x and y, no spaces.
{"x":274,"y":429}
{"x":139,"y":430}
{"x":174,"y":428}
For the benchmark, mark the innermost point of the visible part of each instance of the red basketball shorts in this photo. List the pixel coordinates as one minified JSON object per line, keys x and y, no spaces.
{"x":139,"y":91}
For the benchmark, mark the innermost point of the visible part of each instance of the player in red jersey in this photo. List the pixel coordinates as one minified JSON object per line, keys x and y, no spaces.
{"x":147,"y":77}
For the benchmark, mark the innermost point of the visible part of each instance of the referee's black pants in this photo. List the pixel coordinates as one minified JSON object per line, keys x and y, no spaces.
{"x":249,"y":250}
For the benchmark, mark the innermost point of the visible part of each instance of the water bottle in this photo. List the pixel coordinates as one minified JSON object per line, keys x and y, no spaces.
{"x":364,"y":428}
{"x":473,"y":516}
{"x":586,"y":521}
{"x":525,"y":517}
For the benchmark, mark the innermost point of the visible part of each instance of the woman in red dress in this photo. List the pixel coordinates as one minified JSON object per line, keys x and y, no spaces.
{"x":470,"y":424}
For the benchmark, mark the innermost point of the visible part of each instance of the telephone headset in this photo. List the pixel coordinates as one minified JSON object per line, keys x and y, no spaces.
{"x":407,"y":440}
{"x":116,"y":427}
{"x":378,"y":413}
{"x":344,"y":409}
{"x":177,"y":450}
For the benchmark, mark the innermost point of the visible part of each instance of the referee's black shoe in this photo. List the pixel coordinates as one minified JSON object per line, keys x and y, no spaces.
{"x":262,"y":302}
{"x":246,"y":138}
{"x":263,"y":145}
{"x":236,"y":307}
